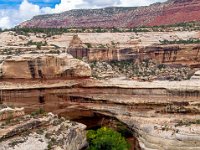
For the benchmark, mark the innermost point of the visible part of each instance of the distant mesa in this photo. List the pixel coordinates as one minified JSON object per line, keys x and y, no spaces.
{"x":170,"y":12}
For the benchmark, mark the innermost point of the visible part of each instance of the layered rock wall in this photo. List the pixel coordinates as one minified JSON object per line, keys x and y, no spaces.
{"x":175,"y":54}
{"x":44,"y":67}
{"x":43,"y":132}
{"x":163,"y":115}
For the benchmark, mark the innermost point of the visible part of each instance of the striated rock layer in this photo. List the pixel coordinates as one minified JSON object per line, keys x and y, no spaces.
{"x":44,"y":67}
{"x":166,"y":54}
{"x":162,"y":115}
{"x":170,"y":12}
{"x":42,"y":132}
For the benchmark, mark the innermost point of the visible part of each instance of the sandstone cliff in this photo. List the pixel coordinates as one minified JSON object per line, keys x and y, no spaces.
{"x":44,"y":67}
{"x":162,"y":115}
{"x":167,"y":54}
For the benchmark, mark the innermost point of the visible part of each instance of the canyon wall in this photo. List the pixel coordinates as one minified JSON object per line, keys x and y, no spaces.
{"x":175,"y":54}
{"x":162,"y":114}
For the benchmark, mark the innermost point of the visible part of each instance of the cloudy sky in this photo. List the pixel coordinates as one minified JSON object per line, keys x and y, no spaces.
{"x":12,"y":12}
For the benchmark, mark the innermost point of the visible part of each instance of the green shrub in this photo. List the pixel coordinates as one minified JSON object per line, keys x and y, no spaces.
{"x":181,"y":41}
{"x":38,"y":44}
{"x":89,"y":45}
{"x":101,"y":46}
{"x":106,"y":139}
{"x":38,"y":112}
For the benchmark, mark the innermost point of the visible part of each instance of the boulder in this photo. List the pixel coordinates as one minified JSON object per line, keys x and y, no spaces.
{"x":196,"y":76}
{"x":8,"y":113}
{"x":49,"y":66}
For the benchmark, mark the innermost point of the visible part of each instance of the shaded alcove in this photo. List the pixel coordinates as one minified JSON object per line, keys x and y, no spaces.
{"x":99,"y":120}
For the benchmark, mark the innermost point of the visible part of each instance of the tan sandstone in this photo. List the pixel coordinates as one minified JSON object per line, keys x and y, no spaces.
{"x":44,"y":67}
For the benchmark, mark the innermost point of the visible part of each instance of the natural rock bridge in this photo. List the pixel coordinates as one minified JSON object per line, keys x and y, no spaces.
{"x":161,"y":114}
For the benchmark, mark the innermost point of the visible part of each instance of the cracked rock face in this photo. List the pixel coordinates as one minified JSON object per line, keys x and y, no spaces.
{"x":44,"y":67}
{"x":42,"y":132}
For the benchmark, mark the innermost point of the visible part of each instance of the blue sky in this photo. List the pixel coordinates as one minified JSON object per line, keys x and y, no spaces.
{"x":13,"y":12}
{"x":16,"y":3}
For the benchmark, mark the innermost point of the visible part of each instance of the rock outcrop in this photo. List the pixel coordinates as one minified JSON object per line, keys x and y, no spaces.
{"x":9,"y":113}
{"x":163,"y":115}
{"x":170,"y":12}
{"x":167,"y":54}
{"x":42,"y":132}
{"x":196,"y":76}
{"x":44,"y":67}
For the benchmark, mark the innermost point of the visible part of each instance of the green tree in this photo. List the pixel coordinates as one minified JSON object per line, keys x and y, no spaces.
{"x":106,"y":139}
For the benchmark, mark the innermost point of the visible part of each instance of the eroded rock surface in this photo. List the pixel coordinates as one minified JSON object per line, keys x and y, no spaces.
{"x":8,"y":113}
{"x":44,"y":67}
{"x":196,"y":76}
{"x":42,"y":132}
{"x":163,"y":115}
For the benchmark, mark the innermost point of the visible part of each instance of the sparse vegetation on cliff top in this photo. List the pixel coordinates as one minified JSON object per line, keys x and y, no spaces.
{"x":181,"y":41}
{"x":146,"y":70}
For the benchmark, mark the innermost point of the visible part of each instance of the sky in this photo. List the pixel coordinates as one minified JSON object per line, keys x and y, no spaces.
{"x":13,"y":12}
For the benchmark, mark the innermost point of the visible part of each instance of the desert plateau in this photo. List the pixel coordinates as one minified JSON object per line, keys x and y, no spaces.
{"x":131,"y":73}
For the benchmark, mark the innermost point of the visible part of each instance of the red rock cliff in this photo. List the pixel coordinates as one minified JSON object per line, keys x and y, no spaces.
{"x":170,"y":12}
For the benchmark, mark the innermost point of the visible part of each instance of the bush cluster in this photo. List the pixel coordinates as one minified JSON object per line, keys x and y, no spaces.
{"x":106,"y":139}
{"x":181,"y":41}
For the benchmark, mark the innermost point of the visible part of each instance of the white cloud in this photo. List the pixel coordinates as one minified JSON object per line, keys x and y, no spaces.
{"x":11,"y":17}
{"x":138,"y":2}
{"x":5,"y":22}
{"x":67,"y":5}
{"x":28,"y":10}
{"x":100,"y":3}
{"x":76,"y":4}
